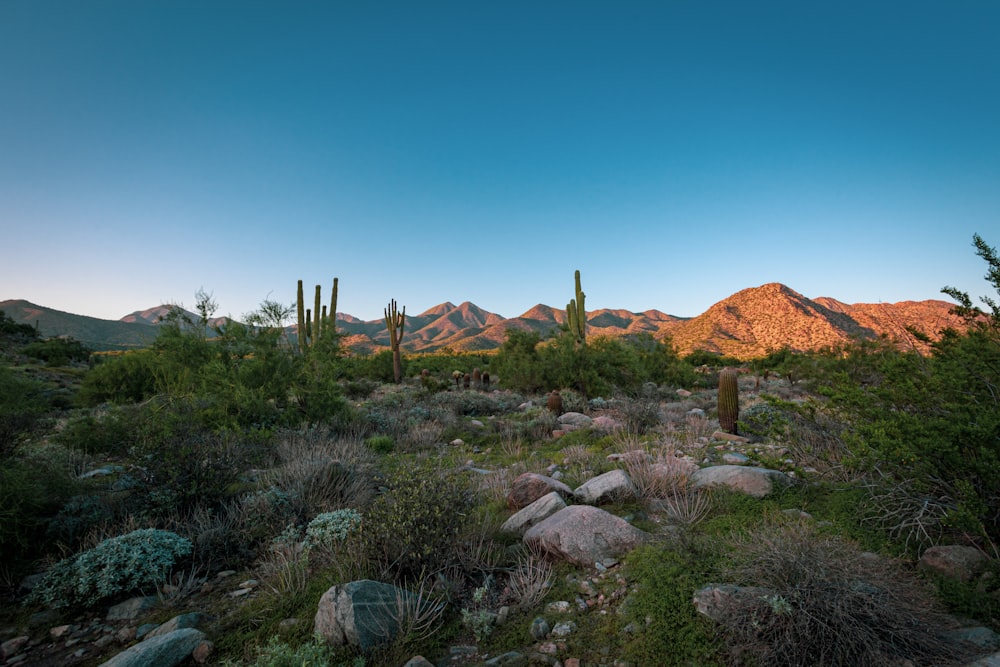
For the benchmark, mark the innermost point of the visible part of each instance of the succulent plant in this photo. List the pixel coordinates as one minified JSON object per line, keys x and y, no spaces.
{"x":729,"y":400}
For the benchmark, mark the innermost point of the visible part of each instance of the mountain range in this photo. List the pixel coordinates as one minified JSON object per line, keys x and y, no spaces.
{"x":745,"y":325}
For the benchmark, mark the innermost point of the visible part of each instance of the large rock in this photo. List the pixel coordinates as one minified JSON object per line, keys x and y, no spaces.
{"x":535,"y":513}
{"x":166,"y":650}
{"x":756,"y":482}
{"x":362,"y":614}
{"x":585,"y":535}
{"x":609,"y":487}
{"x":571,"y":421}
{"x":531,"y":486}
{"x":953,"y":561}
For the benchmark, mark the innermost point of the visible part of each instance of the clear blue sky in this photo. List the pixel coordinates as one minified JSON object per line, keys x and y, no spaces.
{"x":674,"y":152}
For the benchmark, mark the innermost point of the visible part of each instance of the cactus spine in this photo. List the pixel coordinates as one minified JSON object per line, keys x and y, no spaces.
{"x":729,"y":400}
{"x":576,"y":315}
{"x":301,"y":331}
{"x":394,"y":322}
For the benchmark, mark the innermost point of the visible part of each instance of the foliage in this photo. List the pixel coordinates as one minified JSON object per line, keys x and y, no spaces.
{"x":122,"y":564}
{"x":23,"y":402}
{"x":12,"y":331}
{"x":30,"y":491}
{"x":332,"y":527}
{"x":57,"y":351}
{"x":674,"y":633}
{"x":315,"y":652}
{"x":380,"y":444}
{"x":411,"y":529}
{"x":825,"y":602}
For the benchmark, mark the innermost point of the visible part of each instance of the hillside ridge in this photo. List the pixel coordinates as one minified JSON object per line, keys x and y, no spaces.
{"x":746,"y":324}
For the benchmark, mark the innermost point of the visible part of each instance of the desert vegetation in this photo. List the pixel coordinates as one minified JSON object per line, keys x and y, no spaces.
{"x":236,"y":473}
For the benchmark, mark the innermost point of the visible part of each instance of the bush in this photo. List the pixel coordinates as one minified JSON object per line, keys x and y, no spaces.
{"x":57,"y":351}
{"x":411,"y":530}
{"x":22,"y":403}
{"x":331,"y":528}
{"x":119,"y":565}
{"x":828,"y":603}
{"x":380,"y":444}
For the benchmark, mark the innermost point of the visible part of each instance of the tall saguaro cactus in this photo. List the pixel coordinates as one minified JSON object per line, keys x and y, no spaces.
{"x":300,"y":302}
{"x":576,"y":315}
{"x":315,"y":322}
{"x":394,"y":322}
{"x":729,"y":400}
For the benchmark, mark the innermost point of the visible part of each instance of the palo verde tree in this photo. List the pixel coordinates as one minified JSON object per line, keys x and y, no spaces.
{"x":394,"y":322}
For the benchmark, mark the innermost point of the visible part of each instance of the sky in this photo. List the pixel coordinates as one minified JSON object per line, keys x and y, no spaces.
{"x":674,"y":152}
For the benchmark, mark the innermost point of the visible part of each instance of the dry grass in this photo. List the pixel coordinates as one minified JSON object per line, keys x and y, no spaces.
{"x":530,"y":580}
{"x":829,"y":604}
{"x":284,"y":567}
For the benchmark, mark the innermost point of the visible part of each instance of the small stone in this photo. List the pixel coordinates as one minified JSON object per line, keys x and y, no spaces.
{"x":539,"y":628}
{"x":126,"y":634}
{"x":12,"y":646}
{"x":559,"y":607}
{"x":59,"y":631}
{"x":249,"y":583}
{"x":563,"y":629}
{"x":683,"y":393}
{"x":240,"y":592}
{"x":202,"y":651}
{"x":457,"y":442}
{"x":225,"y":574}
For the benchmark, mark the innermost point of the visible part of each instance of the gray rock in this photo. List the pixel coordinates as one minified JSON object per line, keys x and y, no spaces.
{"x":570,"y":421}
{"x":363,"y":614}
{"x":756,"y":482}
{"x":735,"y":459}
{"x":192,"y":620}
{"x":609,"y":487}
{"x":508,"y":659}
{"x":953,"y":561}
{"x":981,"y":637}
{"x":166,"y":650}
{"x":418,"y":661}
{"x":530,"y":486}
{"x":585,"y":535}
{"x":131,"y":608}
{"x":533,"y":514}
{"x":988,"y":661}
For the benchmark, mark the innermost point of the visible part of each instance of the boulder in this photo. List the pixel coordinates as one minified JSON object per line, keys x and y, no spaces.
{"x":166,"y":650}
{"x":534,"y":513}
{"x":585,"y":535}
{"x":609,"y":487}
{"x":756,"y":482}
{"x":191,"y":620}
{"x":953,"y":561}
{"x":530,"y":486}
{"x":570,"y":421}
{"x":362,"y":614}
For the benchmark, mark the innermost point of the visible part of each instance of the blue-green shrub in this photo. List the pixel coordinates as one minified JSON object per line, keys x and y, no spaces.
{"x":117,"y":565}
{"x":331,"y":528}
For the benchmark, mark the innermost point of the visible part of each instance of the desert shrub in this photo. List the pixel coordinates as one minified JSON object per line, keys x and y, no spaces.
{"x":380,"y":444}
{"x":825,"y":602}
{"x":517,"y":363}
{"x":22,"y":403}
{"x":321,"y":471}
{"x":474,"y":403}
{"x":411,"y":529}
{"x":638,"y":415}
{"x":57,"y":351}
{"x":331,"y":528}
{"x":108,"y":431}
{"x":119,"y":565}
{"x":77,"y":517}
{"x":31,"y":491}
{"x":127,"y":378}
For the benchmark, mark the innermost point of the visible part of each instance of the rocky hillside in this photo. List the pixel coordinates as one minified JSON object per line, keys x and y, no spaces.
{"x":744,"y":325}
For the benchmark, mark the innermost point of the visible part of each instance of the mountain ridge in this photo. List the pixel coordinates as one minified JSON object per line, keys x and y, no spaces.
{"x":746,"y":324}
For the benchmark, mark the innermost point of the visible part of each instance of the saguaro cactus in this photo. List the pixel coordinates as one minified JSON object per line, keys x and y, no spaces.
{"x":300,"y":302}
{"x":315,"y":322}
{"x":394,"y":322}
{"x":576,"y":315}
{"x":729,"y":400}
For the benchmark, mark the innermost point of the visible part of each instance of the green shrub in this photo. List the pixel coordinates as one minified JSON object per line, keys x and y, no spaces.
{"x":315,"y":652}
{"x":411,"y":529}
{"x":381,"y":444}
{"x":22,"y":403}
{"x":57,"y":351}
{"x":122,"y":564}
{"x":30,"y":492}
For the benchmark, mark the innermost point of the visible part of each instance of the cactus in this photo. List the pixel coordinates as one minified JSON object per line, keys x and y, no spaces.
{"x":333,"y":308}
{"x":394,"y":322}
{"x":316,"y":322}
{"x":729,"y":400}
{"x":477,"y":378}
{"x":554,"y":402}
{"x":576,"y":315}
{"x":301,"y":331}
